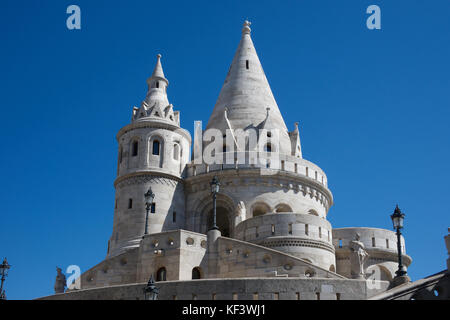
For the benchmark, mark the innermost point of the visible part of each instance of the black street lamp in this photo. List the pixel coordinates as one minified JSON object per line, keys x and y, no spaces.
{"x":151,"y":291}
{"x":4,"y":268}
{"x":149,"y":196}
{"x":397,"y":220}
{"x":215,"y":185}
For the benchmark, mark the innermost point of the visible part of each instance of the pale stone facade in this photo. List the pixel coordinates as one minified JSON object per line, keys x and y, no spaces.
{"x":274,"y":238}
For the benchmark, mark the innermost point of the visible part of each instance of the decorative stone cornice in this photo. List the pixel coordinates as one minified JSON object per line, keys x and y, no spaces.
{"x":288,"y":242}
{"x":154,"y":124}
{"x":145,"y":177}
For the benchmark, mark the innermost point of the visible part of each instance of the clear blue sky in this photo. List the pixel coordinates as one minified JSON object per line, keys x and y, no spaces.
{"x":373,"y":108}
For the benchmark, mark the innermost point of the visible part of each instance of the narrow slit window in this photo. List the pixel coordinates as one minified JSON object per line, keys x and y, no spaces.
{"x":373,"y":241}
{"x":273,"y":229}
{"x":340,"y":243}
{"x":296,"y":168}
{"x":156,"y":146}
{"x":153,"y":208}
{"x":306,"y":229}
{"x":290,"y":228}
{"x":247,"y":64}
{"x":256,"y":233}
{"x":320,"y":232}
{"x":282,"y":165}
{"x":134,"y":151}
{"x":174,"y":217}
{"x":387,"y":243}
{"x":157,"y":84}
{"x":130,"y":203}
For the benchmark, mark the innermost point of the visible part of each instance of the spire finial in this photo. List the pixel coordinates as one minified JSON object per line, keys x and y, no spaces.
{"x":246,"y":29}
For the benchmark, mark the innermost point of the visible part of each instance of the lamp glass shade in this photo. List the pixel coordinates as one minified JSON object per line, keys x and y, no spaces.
{"x":215,"y":185}
{"x":397,"y":220}
{"x":149,"y":196}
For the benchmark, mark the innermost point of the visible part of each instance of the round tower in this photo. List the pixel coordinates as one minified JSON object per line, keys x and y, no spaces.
{"x":269,"y":194}
{"x":153,"y":152}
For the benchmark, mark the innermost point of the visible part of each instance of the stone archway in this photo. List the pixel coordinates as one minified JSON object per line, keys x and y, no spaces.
{"x":224,"y":214}
{"x":222,"y":220}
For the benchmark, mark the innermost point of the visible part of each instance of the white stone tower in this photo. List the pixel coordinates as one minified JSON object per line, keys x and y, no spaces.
{"x":153,"y":152}
{"x":282,"y":202}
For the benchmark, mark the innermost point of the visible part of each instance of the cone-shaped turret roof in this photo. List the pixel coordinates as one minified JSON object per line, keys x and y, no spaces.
{"x":246,"y":96}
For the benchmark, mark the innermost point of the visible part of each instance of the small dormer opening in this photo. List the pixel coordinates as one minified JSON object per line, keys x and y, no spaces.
{"x":247,"y":64}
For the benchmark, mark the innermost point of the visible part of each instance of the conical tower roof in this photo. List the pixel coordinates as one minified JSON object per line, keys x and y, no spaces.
{"x":246,"y":96}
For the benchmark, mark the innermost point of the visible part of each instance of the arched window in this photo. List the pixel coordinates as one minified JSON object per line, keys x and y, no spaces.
{"x":176,"y":151}
{"x":134,"y":149}
{"x":156,"y":148}
{"x":283,"y":208}
{"x":161,"y":274}
{"x":196,"y":273}
{"x":313,"y":212}
{"x":260,"y":209}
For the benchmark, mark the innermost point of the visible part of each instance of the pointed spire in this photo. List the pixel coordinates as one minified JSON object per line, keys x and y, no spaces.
{"x":158,"y":71}
{"x":247,"y":95}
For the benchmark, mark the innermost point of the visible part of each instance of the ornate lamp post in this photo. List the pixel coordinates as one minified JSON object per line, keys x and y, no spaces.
{"x":4,"y":268}
{"x":215,"y":185}
{"x":151,"y":291}
{"x":149,"y":196}
{"x":397,"y":220}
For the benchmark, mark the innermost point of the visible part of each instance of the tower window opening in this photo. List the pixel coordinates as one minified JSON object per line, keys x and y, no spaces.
{"x":315,"y":175}
{"x":307,"y":171}
{"x":290,"y":228}
{"x":273,"y":229}
{"x":153,"y":208}
{"x":256,"y":232}
{"x":247,"y":64}
{"x":282,"y":165}
{"x":115,"y":204}
{"x":387,"y":243}
{"x":268,"y":148}
{"x":156,"y":147}
{"x":196,"y":273}
{"x":328,"y":235}
{"x":296,"y":168}
{"x":161,"y":274}
{"x":320,"y":232}
{"x":306,"y":229}
{"x":174,"y":217}
{"x":373,"y":241}
{"x":157,"y":84}
{"x":269,"y":134}
{"x":130,"y":203}
{"x":134,"y":149}
{"x":340,"y":243}
{"x":120,"y":154}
